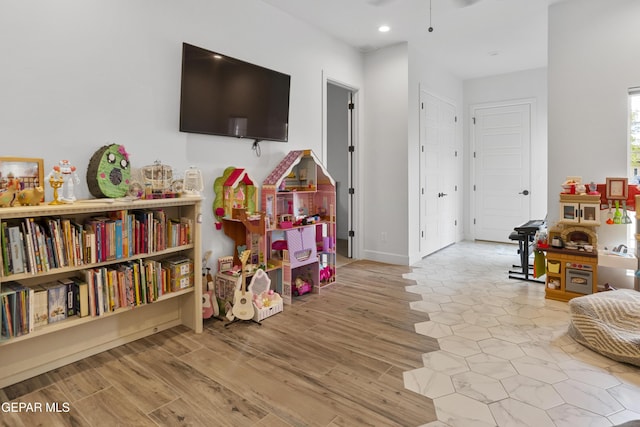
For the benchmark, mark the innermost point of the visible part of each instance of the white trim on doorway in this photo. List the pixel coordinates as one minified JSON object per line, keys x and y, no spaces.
{"x":357,"y":180}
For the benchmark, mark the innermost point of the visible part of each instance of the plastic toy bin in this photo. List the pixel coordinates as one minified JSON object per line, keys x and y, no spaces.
{"x":553,"y":266}
{"x":276,"y":307}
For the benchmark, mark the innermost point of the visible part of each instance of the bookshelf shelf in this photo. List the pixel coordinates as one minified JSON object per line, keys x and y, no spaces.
{"x":76,"y":321}
{"x":170,"y":229}
{"x":65,"y":270}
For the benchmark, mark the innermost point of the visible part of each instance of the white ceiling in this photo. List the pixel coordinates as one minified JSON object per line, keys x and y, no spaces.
{"x":486,"y":37}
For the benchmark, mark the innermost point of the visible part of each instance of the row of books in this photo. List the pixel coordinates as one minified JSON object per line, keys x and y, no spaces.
{"x":25,"y":308}
{"x":101,"y":290}
{"x":128,"y":284}
{"x":35,"y":245}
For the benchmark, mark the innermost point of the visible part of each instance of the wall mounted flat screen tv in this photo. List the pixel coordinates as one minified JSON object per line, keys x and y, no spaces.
{"x":221,"y":95}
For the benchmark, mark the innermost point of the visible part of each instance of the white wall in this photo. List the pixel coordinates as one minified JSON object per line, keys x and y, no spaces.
{"x":78,"y":75}
{"x":383,"y":152}
{"x":393,"y":78}
{"x":529,"y":84}
{"x":593,"y":61}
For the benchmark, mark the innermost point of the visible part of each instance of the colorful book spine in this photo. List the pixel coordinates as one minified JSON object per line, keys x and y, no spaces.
{"x":33,"y":255}
{"x":40,"y":304}
{"x":57,"y":301}
{"x":4,"y":241}
{"x":118,"y":238}
{"x":91,"y":286}
{"x":81,"y":303}
{"x":15,"y":250}
{"x":69,"y":289}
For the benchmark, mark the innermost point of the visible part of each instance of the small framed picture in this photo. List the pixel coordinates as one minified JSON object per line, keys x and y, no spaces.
{"x":28,"y":171}
{"x":617,"y":189}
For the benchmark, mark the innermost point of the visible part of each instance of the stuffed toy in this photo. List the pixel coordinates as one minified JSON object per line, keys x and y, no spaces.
{"x":8,"y":195}
{"x":30,"y":196}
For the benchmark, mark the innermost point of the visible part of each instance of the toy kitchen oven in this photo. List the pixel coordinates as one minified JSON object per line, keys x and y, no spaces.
{"x":579,"y":274}
{"x":578,"y":278}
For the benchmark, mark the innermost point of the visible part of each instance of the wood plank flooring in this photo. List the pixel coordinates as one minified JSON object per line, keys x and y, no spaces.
{"x":334,"y":360}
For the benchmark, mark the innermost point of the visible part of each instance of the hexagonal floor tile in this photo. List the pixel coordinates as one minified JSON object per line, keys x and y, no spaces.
{"x":479,"y":387}
{"x":428,"y":382}
{"x":512,"y":412}
{"x":449,"y":410}
{"x":533,"y":392}
{"x":588,"y":397}
{"x":433,"y":329}
{"x":445,"y":362}
{"x":459,"y":345}
{"x":492,"y":366}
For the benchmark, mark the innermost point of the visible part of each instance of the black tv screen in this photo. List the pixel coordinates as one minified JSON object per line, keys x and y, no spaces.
{"x":221,"y":95}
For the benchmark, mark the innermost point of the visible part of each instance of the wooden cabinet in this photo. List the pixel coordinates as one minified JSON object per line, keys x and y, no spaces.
{"x":570,"y":274}
{"x":171,"y":232}
{"x":299,"y":201}
{"x":579,"y":209}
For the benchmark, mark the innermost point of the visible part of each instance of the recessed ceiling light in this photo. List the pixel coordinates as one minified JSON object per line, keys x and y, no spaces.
{"x":384,"y":28}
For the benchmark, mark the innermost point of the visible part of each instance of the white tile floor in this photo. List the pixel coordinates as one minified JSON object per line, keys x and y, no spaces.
{"x":505,"y":358}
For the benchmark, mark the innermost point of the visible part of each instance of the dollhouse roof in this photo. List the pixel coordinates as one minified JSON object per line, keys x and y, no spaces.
{"x":237,"y":176}
{"x":288,"y":162}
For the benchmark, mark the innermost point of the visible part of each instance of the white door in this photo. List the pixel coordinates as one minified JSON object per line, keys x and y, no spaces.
{"x":501,"y":138}
{"x":438,"y":186}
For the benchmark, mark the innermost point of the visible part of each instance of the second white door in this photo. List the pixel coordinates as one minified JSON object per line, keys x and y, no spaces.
{"x":501,"y":145}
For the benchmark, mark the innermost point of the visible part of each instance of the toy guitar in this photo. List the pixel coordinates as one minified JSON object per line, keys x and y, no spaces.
{"x":243,"y":299}
{"x":207,"y":306}
{"x":209,"y":302}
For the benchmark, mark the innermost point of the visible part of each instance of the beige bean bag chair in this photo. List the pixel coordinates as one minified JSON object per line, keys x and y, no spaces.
{"x":608,"y":323}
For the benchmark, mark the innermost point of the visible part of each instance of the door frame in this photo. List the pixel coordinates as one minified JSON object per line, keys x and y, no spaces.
{"x":355,"y":207}
{"x":533,"y":128}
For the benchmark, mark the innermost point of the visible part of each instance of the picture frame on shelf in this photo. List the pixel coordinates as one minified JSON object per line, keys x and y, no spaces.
{"x":617,"y":189}
{"x":28,"y":171}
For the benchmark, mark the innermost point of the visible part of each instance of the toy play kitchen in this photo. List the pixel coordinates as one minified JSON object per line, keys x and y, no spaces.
{"x":572,"y":262}
{"x":572,"y":256}
{"x":572,"y":243}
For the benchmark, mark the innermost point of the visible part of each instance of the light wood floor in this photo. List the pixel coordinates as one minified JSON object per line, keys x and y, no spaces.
{"x":334,"y":359}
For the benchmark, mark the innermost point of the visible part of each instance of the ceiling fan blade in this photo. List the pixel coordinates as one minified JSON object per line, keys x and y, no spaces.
{"x":379,"y":2}
{"x":465,"y":3}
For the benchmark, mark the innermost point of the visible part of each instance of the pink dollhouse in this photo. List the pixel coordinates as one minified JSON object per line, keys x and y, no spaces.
{"x":299,"y":203}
